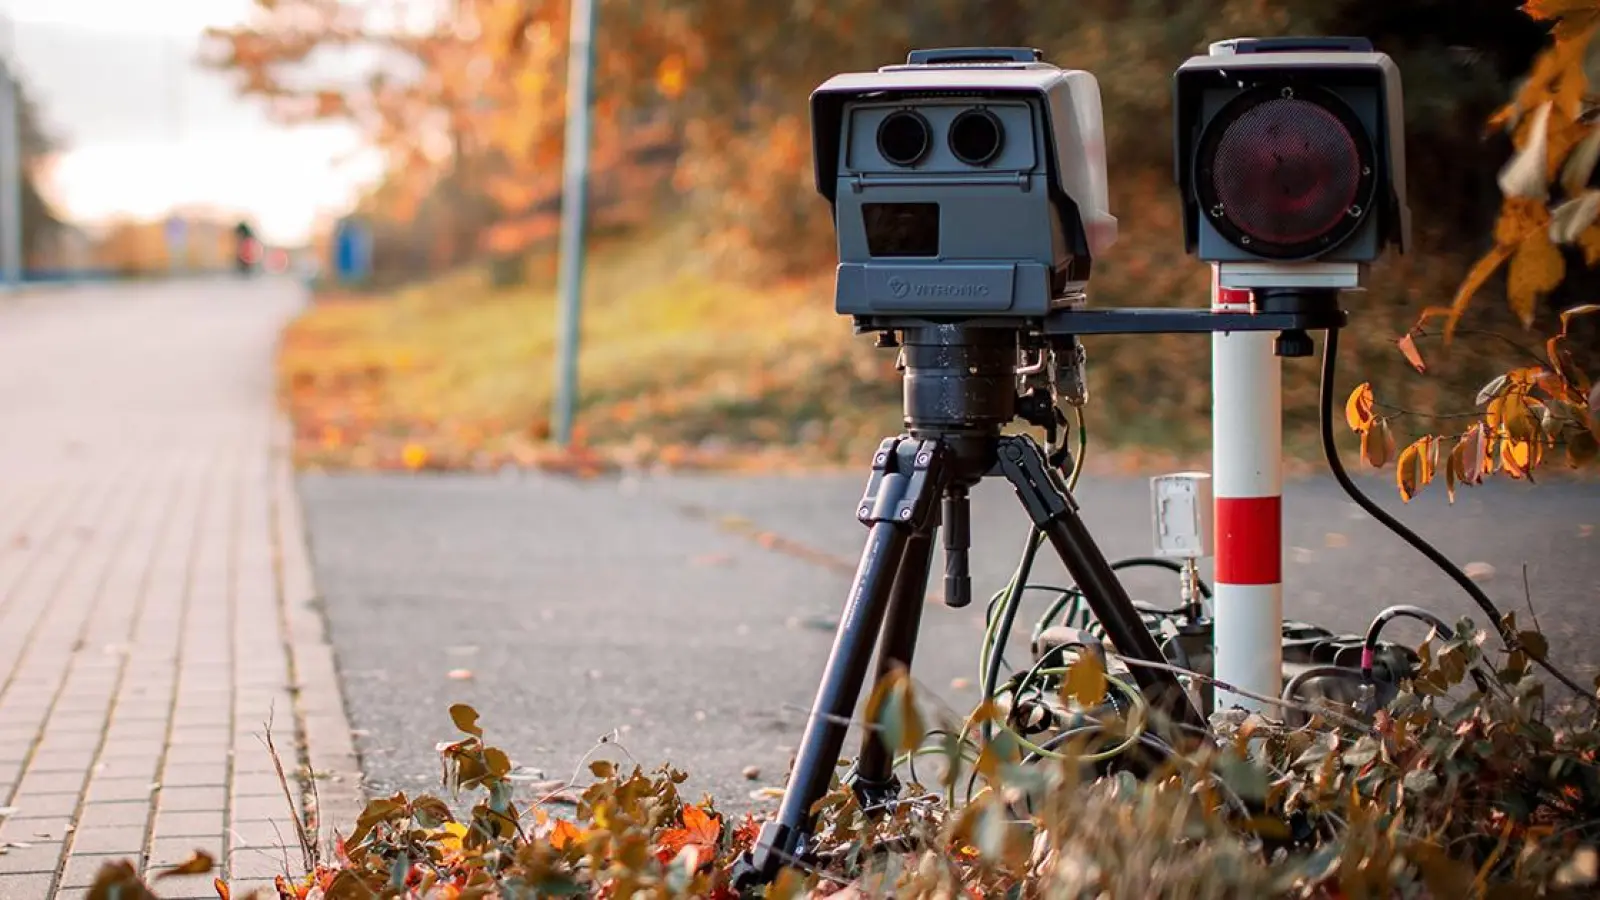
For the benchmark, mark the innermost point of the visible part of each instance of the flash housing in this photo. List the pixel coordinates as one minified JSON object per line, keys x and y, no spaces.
{"x":1291,"y":152}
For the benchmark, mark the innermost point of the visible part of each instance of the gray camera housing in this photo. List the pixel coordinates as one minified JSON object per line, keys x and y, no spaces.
{"x":1368,"y":84}
{"x":947,"y":239}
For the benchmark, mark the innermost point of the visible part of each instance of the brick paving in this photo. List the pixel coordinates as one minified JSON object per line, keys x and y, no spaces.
{"x":155,"y":598}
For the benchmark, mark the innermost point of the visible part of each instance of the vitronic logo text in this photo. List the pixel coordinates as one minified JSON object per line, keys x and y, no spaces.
{"x":903,"y":288}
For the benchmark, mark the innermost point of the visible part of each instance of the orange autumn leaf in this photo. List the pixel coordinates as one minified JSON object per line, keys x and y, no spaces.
{"x":700,"y":830}
{"x":564,"y":833}
{"x":1537,"y":268}
{"x":1358,"y":409}
{"x":414,"y":456}
{"x":1415,"y":468}
{"x":198,"y":864}
{"x":669,"y":77}
{"x":1408,"y":349}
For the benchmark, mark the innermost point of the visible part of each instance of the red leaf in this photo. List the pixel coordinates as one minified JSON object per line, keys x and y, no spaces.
{"x":700,"y":830}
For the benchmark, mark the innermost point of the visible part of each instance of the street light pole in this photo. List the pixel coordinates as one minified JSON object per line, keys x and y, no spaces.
{"x":574,"y":214}
{"x":11,"y":261}
{"x":10,"y":177}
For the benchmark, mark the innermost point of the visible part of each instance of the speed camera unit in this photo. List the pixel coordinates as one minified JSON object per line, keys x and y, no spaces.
{"x":1291,"y":160}
{"x":966,"y":183}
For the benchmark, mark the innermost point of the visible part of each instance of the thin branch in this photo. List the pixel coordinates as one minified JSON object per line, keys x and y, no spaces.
{"x":1402,"y":411}
{"x":1527,"y":594}
{"x":1423,"y":332}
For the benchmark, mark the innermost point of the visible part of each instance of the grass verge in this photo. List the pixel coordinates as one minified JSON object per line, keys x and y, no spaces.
{"x":682,"y":368}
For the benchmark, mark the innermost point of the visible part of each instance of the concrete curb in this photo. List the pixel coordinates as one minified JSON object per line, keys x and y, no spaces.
{"x":328,"y":745}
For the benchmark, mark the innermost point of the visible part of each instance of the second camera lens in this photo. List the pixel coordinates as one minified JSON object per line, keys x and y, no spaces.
{"x":903,"y":137}
{"x":976,"y":137}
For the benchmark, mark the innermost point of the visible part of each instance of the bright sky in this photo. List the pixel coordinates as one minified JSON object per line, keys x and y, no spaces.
{"x":160,"y":133}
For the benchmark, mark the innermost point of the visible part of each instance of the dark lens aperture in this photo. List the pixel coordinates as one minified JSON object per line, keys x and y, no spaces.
{"x":976,"y":137}
{"x":903,"y":137}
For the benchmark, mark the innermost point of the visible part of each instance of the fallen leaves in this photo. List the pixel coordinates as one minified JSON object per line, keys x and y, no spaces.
{"x":700,"y":832}
{"x":414,"y":456}
{"x":199,"y":863}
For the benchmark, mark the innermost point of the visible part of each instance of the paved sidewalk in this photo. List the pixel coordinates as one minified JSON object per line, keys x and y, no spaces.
{"x":154,"y":595}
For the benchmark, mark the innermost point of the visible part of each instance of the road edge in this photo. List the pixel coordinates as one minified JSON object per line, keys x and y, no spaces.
{"x":335,"y":798}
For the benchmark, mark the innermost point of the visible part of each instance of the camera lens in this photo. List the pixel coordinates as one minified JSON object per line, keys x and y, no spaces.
{"x":976,"y":137}
{"x":903,"y":137}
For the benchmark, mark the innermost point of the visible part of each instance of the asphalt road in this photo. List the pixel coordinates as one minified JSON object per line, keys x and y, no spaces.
{"x":641,"y":613}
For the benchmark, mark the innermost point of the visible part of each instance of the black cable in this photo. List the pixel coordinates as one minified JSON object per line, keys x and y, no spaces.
{"x":1008,"y":613}
{"x":1369,"y":645}
{"x":1299,"y":680}
{"x":1330,"y":350}
{"x":1067,"y":594}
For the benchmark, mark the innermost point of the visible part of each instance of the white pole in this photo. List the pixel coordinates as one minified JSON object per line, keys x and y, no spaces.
{"x":1247,"y":475}
{"x":10,"y":178}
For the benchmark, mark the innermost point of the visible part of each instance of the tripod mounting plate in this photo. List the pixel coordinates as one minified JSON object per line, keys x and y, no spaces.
{"x":1151,"y":320}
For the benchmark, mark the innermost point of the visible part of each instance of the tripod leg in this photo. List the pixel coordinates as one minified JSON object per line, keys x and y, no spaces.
{"x":875,"y":782}
{"x":1056,"y":514}
{"x":897,"y":505}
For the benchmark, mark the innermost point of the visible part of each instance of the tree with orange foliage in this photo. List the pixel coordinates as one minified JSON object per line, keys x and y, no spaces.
{"x":1548,"y":215}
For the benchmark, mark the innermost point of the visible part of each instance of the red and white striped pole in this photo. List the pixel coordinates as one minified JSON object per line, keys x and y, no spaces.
{"x":1247,"y":480}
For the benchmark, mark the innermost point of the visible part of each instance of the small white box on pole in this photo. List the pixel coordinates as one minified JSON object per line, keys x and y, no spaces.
{"x":1183,"y":515}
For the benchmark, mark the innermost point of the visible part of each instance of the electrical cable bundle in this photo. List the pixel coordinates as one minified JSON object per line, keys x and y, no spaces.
{"x":1041,"y":725}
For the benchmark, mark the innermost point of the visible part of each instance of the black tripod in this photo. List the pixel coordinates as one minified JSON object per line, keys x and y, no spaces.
{"x":961,"y":389}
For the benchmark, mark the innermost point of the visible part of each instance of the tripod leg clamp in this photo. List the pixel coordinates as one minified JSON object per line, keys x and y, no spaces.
{"x":1021,"y":462}
{"x":897,"y":491}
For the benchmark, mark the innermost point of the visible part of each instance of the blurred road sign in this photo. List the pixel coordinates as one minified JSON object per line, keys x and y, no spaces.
{"x":177,"y":236}
{"x":352,"y":251}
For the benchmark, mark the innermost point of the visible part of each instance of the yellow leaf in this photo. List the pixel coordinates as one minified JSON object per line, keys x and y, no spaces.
{"x":450,"y":836}
{"x":1377,"y":444}
{"x":1481,"y":270}
{"x":1358,"y":409}
{"x":1515,"y":417}
{"x":669,"y":77}
{"x":1519,"y":458}
{"x":414,"y":456}
{"x":1086,"y":681}
{"x":1415,"y":468}
{"x":1536,"y":269}
{"x":1519,"y":218}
